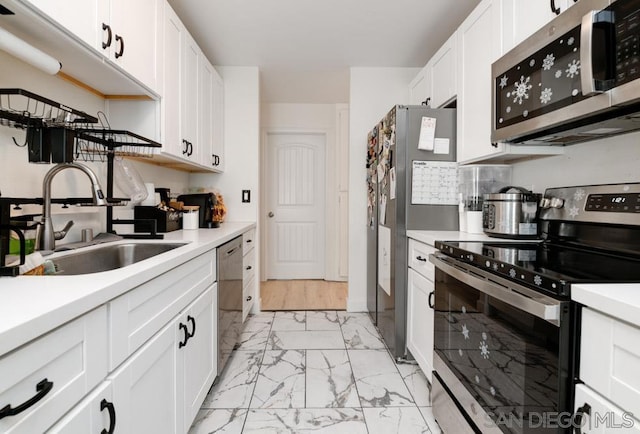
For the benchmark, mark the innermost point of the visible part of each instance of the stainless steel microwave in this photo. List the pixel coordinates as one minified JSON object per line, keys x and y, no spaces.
{"x":576,"y":79}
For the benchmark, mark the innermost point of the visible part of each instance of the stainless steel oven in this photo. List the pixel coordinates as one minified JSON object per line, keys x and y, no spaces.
{"x":502,"y":352}
{"x":506,"y":330}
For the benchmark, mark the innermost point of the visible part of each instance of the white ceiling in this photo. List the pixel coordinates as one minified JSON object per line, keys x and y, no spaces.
{"x":304,"y":48}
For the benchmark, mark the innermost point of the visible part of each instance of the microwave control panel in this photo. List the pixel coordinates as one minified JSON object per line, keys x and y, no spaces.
{"x":627,"y":40}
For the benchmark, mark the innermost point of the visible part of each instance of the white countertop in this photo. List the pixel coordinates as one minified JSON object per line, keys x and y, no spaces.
{"x":620,"y":301}
{"x":430,"y":237}
{"x":33,"y":305}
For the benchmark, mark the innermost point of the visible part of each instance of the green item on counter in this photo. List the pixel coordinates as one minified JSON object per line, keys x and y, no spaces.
{"x":14,"y":246}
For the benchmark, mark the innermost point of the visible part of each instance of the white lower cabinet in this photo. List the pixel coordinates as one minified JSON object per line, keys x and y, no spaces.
{"x":197,"y":359}
{"x":95,"y":414}
{"x":44,"y":379}
{"x":595,"y":414}
{"x":146,"y":385}
{"x":420,"y":321}
{"x":161,"y":387}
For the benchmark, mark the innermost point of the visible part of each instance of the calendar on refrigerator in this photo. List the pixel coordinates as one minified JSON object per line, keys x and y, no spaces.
{"x":434,"y":183}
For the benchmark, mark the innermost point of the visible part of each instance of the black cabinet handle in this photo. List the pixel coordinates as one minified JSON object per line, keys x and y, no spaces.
{"x":494,"y":144}
{"x":554,"y":9}
{"x":431,"y":300}
{"x":42,"y":388}
{"x":107,"y":27}
{"x":190,"y":149}
{"x":192,"y":320}
{"x":184,"y":150}
{"x":580,"y":412}
{"x":421,"y":259}
{"x":248,"y":267}
{"x":427,"y":102}
{"x":249,"y":298}
{"x":112,"y":416}
{"x":121,"y":40}
{"x":186,"y":335}
{"x":248,"y":241}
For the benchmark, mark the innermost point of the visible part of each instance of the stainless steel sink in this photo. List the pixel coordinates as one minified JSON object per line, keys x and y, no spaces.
{"x":109,"y":257}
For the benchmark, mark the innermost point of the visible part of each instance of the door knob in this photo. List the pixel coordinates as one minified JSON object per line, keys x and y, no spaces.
{"x":271,"y":214}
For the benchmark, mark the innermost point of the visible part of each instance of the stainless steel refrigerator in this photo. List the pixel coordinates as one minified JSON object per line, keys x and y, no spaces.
{"x":412,"y":184}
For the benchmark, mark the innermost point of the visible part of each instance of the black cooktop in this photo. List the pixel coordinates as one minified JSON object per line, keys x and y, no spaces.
{"x":545,"y":266}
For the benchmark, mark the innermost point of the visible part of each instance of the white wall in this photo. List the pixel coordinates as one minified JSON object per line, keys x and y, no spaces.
{"x":19,"y":178}
{"x":612,"y":160}
{"x":373,"y":92}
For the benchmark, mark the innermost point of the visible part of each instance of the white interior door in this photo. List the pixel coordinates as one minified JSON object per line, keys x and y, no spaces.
{"x":295,"y":206}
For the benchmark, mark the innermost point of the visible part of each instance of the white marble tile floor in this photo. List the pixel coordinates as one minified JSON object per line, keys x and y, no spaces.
{"x":315,"y":371}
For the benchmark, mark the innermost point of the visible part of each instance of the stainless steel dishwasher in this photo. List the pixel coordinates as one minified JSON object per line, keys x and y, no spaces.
{"x":229,"y":299}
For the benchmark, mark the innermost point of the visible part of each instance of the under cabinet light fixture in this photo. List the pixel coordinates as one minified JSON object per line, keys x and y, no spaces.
{"x":28,"y":53}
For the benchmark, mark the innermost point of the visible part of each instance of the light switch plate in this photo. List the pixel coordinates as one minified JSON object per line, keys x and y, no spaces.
{"x":246,"y":196}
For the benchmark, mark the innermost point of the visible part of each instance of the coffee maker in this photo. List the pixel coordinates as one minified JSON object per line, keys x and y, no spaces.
{"x":206,"y":202}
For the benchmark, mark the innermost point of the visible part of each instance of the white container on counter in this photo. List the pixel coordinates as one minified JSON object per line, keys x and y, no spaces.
{"x":190,"y":217}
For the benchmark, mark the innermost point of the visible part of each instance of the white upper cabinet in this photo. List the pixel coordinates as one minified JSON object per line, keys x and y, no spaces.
{"x":217,"y":147}
{"x":479,"y":44}
{"x":420,"y":87}
{"x":192,"y":109}
{"x":125,"y":32}
{"x":80,"y":17}
{"x":134,"y":28}
{"x":443,"y":73}
{"x":211,"y":117}
{"x":525,"y":17}
{"x":486,"y":34}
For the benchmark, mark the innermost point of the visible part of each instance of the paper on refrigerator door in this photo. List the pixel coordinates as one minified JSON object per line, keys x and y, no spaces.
{"x":384,"y":258}
{"x":434,"y":183}
{"x":392,"y":183}
{"x":427,"y":134}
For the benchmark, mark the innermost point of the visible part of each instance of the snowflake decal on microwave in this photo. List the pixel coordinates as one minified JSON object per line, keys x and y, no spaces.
{"x":548,"y":62}
{"x":522,"y":89}
{"x":573,"y":68}
{"x":503,"y":81}
{"x":545,"y":95}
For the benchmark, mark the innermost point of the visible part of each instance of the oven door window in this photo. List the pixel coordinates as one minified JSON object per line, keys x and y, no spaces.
{"x":506,"y":358}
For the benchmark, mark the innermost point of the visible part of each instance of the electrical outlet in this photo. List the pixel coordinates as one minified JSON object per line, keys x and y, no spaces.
{"x":246,"y":196}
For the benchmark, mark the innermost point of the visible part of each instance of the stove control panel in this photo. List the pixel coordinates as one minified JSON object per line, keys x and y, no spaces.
{"x":626,"y":202}
{"x":617,"y":204}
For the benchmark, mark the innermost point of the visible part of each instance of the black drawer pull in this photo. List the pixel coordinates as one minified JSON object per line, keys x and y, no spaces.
{"x":193,"y":326}
{"x":248,"y":241}
{"x":431,"y":300}
{"x":554,"y":9}
{"x":577,"y":418}
{"x":121,"y":52}
{"x":421,"y":259}
{"x":107,"y":27}
{"x":112,"y":416}
{"x":186,"y":335}
{"x":249,"y":298}
{"x":42,"y":388}
{"x":248,"y":267}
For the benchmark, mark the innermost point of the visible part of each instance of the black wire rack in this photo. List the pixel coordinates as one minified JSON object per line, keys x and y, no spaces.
{"x":20,"y":108}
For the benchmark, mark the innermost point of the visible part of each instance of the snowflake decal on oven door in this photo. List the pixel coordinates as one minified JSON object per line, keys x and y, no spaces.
{"x":548,"y":62}
{"x":484,"y":349}
{"x":573,"y":68}
{"x":522,"y":89}
{"x":579,"y":195}
{"x":465,"y":332}
{"x":545,"y":95}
